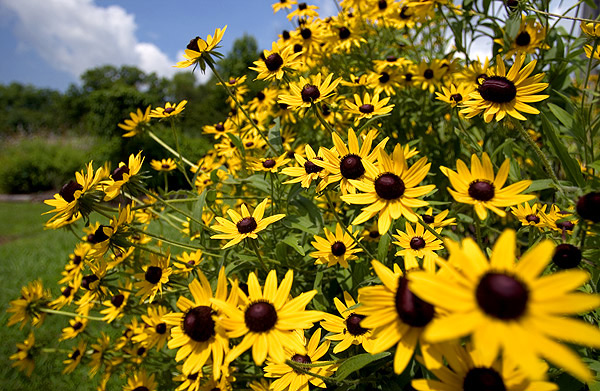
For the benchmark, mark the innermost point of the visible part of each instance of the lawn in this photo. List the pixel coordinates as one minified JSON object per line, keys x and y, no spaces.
{"x":28,"y":252}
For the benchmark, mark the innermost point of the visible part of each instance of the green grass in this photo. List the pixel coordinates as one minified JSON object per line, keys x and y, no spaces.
{"x":28,"y":252}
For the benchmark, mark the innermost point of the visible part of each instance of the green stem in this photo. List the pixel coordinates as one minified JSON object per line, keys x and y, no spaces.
{"x":166,"y":182}
{"x":428,"y":228}
{"x":545,"y":162}
{"x":260,"y":259}
{"x":179,"y":155}
{"x":168,"y":148}
{"x":477,"y":229}
{"x":561,"y":16}
{"x":322,"y":120}
{"x":297,"y":367}
{"x":71,"y":314}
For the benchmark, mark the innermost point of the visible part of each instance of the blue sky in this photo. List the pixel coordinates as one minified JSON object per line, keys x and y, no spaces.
{"x":48,"y":43}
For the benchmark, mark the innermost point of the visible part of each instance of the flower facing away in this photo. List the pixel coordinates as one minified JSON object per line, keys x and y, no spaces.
{"x":500,"y":93}
{"x":200,"y":51}
{"x":307,"y":92}
{"x":418,"y":243}
{"x":154,"y":276}
{"x":245,"y":225}
{"x":393,"y":192}
{"x":23,"y":358}
{"x":479,"y":186}
{"x":27,"y":308}
{"x":368,"y":106}
{"x":163,"y":165}
{"x":505,"y":305}
{"x":197,"y":331}
{"x":469,"y":370}
{"x":170,"y":110}
{"x":347,"y":328}
{"x":268,"y":319}
{"x":335,"y":248}
{"x":291,"y":380}
{"x":139,"y":120}
{"x":396,"y":314}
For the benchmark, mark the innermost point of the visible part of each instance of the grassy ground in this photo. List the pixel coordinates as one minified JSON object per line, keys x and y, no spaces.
{"x":27,"y":252}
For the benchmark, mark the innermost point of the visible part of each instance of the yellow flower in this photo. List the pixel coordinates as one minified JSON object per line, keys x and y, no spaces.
{"x":307,"y":171}
{"x":140,"y":381}
{"x":418,"y":243}
{"x":269,"y":164}
{"x":530,"y":37}
{"x":532,"y":215}
{"x":33,"y":298}
{"x":245,"y":225}
{"x":137,"y":123}
{"x":368,"y":107}
{"x":163,"y":165}
{"x":456,"y":94}
{"x":155,"y":331}
{"x":591,"y":51}
{"x":23,"y":357}
{"x":283,"y":4}
{"x":591,"y":29}
{"x":123,"y":175}
{"x":479,"y":186}
{"x":154,"y":276}
{"x":307,"y":92}
{"x":500,"y":93}
{"x":74,"y":357}
{"x":503,"y":304}
{"x":273,"y":63}
{"x":199,"y":51}
{"x":335,"y":248}
{"x":170,"y":110}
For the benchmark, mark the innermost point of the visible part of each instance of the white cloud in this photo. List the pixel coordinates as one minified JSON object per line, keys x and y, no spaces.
{"x":75,"y":35}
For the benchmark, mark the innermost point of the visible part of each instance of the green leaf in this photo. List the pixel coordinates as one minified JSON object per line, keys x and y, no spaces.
{"x":197,"y":213}
{"x":563,"y":116}
{"x":355,"y":363}
{"x":383,"y":247}
{"x":275,"y":136}
{"x":293,"y":243}
{"x":540,"y":184}
{"x":571,"y":166}
{"x":238,"y":143}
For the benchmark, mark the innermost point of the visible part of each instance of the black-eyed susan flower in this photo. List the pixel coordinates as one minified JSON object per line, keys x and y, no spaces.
{"x":289,"y":379}
{"x":283,"y":4}
{"x":304,"y":11}
{"x":74,"y":357}
{"x":153,"y":277}
{"x":94,"y":285}
{"x":115,"y":306}
{"x":268,"y":319}
{"x":307,"y":170}
{"x":187,"y":262}
{"x":114,"y":237}
{"x":77,"y":198}
{"x":245,"y":225}
{"x":197,"y":330}
{"x":163,"y":165}
{"x":469,"y":370}
{"x":138,"y":122}
{"x":384,"y":82}
{"x":530,"y":215}
{"x":368,"y":106}
{"x":429,"y":74}
{"x":27,"y":308}
{"x":396,"y":314}
{"x":559,"y":220}
{"x":500,"y":93}
{"x":456,"y":94}
{"x":275,"y":62}
{"x":393,"y":192}
{"x":260,"y":385}
{"x":140,"y":381}
{"x":220,"y":129}
{"x":170,"y":110}
{"x":344,"y":163}
{"x":504,"y":304}
{"x":199,"y":51}
{"x":346,"y":328}
{"x":269,"y":164}
{"x":76,"y":326}
{"x":24,"y":358}
{"x":530,"y":37}
{"x":591,"y":29}
{"x":592,"y":51}
{"x":335,"y":248}
{"x":307,"y":92}
{"x":418,"y":243}
{"x":474,"y":73}
{"x":481,"y":188}
{"x":124,"y":176}
{"x":66,"y":297}
{"x":156,"y":331}
{"x":101,"y":355}
{"x":439,"y":220}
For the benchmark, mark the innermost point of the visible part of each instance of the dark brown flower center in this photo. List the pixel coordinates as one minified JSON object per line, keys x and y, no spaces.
{"x":260,"y":317}
{"x":246,"y":225}
{"x":305,"y":33}
{"x":165,"y":166}
{"x":310,"y":93}
{"x":198,"y":323}
{"x":193,"y":45}
{"x":67,"y":291}
{"x":481,"y":190}
{"x":417,"y":243}
{"x":523,"y":39}
{"x":302,"y":6}
{"x":117,"y":300}
{"x":86,"y":281}
{"x":384,"y":77}
{"x":483,"y":379}
{"x":76,"y":260}
{"x":429,"y":219}
{"x":298,"y":48}
{"x":351,"y":167}
{"x":404,"y":14}
{"x":269,"y":163}
{"x":161,"y":328}
{"x":325,"y":110}
{"x":75,"y":354}
{"x":457,"y":98}
{"x":382,"y":4}
{"x":338,"y":249}
{"x":497,"y":89}
{"x":391,"y":58}
{"x":374,"y":234}
{"x":77,"y":326}
{"x":389,"y":186}
{"x":428,"y":74}
{"x":141,"y":351}
{"x":67,"y":192}
{"x":502,"y":296}
{"x":153,"y":274}
{"x":344,"y":33}
{"x":408,"y":77}
{"x":411,"y":309}
{"x":353,"y":324}
{"x":99,"y":235}
{"x":312,"y":168}
{"x":118,"y":173}
{"x":302,"y":359}
{"x":588,"y":206}
{"x":565,"y":225}
{"x":260,"y":96}
{"x":141,"y":388}
{"x":532,"y":219}
{"x":285,"y":35}
{"x":566,"y":256}
{"x":273,"y":61}
{"x":193,"y":376}
{"x":169,"y":110}
{"x":366,"y":108}
{"x":219,"y":127}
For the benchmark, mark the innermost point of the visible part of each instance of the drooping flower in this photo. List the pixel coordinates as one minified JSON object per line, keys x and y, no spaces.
{"x":200,"y":51}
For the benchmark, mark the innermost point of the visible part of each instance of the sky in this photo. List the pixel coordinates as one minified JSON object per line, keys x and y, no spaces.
{"x":49,"y":43}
